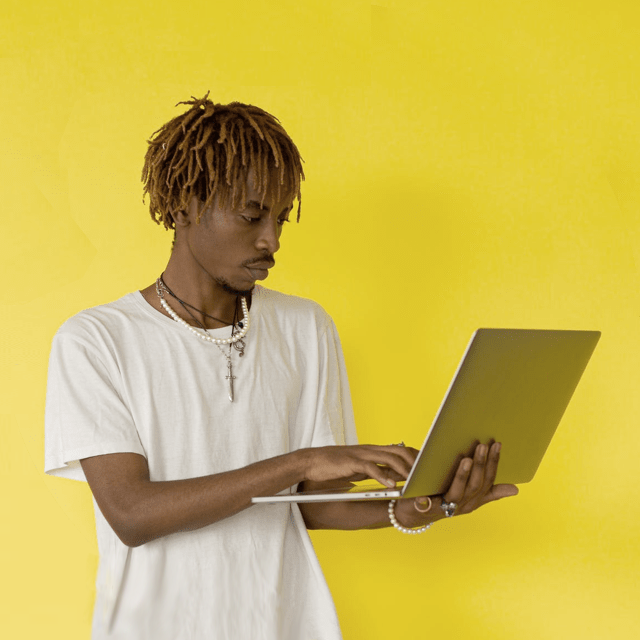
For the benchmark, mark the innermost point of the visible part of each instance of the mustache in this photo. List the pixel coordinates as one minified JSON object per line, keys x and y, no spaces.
{"x":263,"y":260}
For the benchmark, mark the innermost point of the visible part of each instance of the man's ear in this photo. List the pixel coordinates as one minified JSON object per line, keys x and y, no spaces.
{"x":181,"y":218}
{"x":184,"y":218}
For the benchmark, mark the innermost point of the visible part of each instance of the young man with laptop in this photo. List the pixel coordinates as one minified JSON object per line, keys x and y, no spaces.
{"x":182,"y":402}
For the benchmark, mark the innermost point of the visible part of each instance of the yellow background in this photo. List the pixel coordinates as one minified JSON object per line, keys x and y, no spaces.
{"x":468,"y":164}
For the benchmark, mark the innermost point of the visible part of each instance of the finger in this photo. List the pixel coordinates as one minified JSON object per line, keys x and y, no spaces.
{"x":394,"y":475}
{"x":409,"y":454}
{"x":387,"y":459}
{"x":476,"y":480}
{"x":491,"y":470}
{"x":499,"y":491}
{"x":380,"y":474}
{"x":357,"y":477}
{"x":456,"y":490}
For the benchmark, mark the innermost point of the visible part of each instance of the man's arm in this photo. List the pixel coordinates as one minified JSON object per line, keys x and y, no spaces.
{"x":140,"y":510}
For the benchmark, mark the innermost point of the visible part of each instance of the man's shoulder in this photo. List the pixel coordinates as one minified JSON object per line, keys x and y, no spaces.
{"x":292,"y":306}
{"x":92,"y":320}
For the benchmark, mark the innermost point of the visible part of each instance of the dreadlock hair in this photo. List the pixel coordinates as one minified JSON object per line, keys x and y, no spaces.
{"x":209,"y":150}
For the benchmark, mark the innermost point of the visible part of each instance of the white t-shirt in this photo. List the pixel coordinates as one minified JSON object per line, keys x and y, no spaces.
{"x":125,"y":378}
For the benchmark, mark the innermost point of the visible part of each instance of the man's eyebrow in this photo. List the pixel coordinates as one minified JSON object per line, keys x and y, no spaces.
{"x":256,"y":204}
{"x":265,"y":208}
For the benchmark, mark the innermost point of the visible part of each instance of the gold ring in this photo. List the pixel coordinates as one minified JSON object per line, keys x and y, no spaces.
{"x":415,"y":505}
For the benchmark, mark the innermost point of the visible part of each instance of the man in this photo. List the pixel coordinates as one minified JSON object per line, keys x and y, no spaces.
{"x":180,"y":402}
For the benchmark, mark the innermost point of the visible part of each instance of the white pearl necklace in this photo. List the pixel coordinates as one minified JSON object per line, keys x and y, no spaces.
{"x":198,"y":332}
{"x":399,"y":527}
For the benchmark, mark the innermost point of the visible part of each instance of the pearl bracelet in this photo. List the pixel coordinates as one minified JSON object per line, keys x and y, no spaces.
{"x":398,"y":526}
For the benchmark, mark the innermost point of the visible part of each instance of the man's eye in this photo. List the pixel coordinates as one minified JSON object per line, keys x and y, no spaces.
{"x":282,"y":221}
{"x":250,"y":219}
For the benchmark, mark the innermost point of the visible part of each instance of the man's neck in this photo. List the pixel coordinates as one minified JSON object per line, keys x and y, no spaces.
{"x":200,"y":291}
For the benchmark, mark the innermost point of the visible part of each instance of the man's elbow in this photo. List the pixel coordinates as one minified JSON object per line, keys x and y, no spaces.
{"x":129,"y":534}
{"x":129,"y":529}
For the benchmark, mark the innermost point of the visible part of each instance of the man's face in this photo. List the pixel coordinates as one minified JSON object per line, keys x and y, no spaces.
{"x":234,"y":248}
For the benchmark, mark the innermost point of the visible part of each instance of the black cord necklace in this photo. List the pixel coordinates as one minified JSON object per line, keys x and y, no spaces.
{"x":239,"y":345}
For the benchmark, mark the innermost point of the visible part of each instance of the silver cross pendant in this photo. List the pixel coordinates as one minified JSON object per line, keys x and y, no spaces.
{"x":230,"y":378}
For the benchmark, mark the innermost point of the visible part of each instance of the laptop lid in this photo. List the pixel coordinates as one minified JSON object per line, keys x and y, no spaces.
{"x":511,"y":386}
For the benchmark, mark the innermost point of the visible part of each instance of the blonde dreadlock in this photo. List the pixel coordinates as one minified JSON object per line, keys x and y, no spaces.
{"x":210,"y":150}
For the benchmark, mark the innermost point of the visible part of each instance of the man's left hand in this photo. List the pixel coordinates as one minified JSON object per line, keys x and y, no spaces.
{"x":471,"y":488}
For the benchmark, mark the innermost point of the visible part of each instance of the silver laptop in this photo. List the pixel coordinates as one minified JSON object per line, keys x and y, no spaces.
{"x":511,"y":386}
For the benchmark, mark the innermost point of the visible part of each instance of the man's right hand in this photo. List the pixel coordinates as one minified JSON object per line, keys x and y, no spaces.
{"x":385,"y":464}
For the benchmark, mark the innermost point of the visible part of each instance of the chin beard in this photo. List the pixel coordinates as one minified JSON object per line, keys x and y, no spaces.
{"x":236,"y":292}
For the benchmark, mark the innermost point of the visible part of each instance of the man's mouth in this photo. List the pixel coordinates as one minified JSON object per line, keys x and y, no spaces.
{"x":262,"y":266}
{"x":259,"y":270}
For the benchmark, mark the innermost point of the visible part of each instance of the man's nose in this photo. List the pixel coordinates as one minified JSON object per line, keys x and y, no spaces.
{"x":269,"y":238}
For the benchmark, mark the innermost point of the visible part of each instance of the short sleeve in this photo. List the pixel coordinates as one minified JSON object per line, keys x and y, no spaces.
{"x":84,"y":412}
{"x":335,"y":424}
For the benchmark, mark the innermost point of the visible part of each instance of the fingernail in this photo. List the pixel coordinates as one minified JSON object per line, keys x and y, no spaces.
{"x":390,"y":484}
{"x":499,"y":447}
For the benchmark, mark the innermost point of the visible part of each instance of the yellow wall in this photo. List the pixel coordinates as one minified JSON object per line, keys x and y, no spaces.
{"x":468,"y":164}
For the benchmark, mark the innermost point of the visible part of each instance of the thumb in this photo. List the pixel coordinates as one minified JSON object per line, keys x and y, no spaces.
{"x":504,"y":491}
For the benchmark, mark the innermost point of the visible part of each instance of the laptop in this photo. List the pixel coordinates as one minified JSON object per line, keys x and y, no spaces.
{"x":511,"y":386}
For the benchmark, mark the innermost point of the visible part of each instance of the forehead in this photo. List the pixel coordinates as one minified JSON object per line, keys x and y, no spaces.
{"x":255,"y":191}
